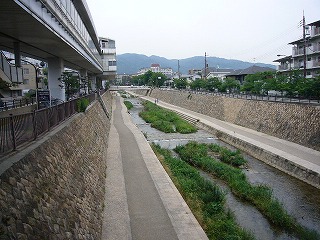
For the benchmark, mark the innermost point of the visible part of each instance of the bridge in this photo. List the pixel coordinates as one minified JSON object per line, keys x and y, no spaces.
{"x":61,"y":33}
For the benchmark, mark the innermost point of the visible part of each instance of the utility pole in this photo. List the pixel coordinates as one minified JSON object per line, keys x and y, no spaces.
{"x":205,"y":65}
{"x":304,"y":48}
{"x":179,"y":69}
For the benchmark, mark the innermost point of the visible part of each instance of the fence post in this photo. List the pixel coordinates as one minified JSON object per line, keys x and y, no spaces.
{"x":12,"y":132}
{"x":34,"y":121}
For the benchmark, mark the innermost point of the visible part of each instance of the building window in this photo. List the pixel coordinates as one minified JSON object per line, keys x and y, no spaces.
{"x":112,"y":63}
{"x":25,"y":81}
{"x":26,"y":71}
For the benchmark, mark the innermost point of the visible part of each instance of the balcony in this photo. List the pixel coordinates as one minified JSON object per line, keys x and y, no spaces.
{"x":316,"y":64}
{"x":297,"y":52}
{"x":284,"y":67}
{"x":109,"y":50}
{"x":315,"y":32}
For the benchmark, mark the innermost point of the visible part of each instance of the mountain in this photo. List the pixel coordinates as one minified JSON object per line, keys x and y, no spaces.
{"x":130,"y":63}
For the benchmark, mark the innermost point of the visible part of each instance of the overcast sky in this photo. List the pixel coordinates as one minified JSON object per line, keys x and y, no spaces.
{"x":248,"y":30}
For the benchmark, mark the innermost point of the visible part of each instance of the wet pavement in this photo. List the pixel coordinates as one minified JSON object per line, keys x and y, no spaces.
{"x":300,"y":199}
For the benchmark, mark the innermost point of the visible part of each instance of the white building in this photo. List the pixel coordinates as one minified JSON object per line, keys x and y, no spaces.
{"x":219,"y":73}
{"x":108,"y":57}
{"x":305,"y":53}
{"x":157,"y":69}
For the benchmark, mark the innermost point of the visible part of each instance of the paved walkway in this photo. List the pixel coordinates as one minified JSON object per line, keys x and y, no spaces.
{"x":141,"y":200}
{"x":296,"y":153}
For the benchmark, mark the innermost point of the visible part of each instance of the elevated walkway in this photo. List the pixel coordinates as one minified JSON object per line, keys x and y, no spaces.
{"x":294,"y":159}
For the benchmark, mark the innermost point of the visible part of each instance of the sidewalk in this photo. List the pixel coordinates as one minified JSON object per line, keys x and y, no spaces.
{"x":300,"y":155}
{"x":141,"y":201}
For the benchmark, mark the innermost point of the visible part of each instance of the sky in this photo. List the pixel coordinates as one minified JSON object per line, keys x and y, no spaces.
{"x":247,"y":30}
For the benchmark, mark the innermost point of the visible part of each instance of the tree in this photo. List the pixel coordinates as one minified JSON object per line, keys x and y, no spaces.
{"x":70,"y":83}
{"x":198,"y":84}
{"x":180,"y":83}
{"x":230,"y":84}
{"x":213,"y":84}
{"x":158,"y":79}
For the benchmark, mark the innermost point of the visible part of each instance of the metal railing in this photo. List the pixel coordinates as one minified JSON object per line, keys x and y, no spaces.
{"x":17,"y":130}
{"x":15,"y":103}
{"x":258,"y":97}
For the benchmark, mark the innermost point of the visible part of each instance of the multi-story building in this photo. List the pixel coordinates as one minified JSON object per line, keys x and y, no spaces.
{"x":156,"y":68}
{"x":108,"y":57}
{"x":305,"y":53}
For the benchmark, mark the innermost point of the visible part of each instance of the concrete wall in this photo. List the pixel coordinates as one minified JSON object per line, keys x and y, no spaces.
{"x":298,"y":123}
{"x":56,"y":191}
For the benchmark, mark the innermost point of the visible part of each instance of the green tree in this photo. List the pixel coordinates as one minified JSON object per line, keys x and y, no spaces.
{"x":198,"y":84}
{"x":70,"y":83}
{"x":213,"y":83}
{"x":230,"y":84}
{"x":180,"y":83}
{"x":158,"y":79}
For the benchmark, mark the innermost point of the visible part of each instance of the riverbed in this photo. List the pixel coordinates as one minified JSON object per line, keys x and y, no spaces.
{"x":301,"y":200}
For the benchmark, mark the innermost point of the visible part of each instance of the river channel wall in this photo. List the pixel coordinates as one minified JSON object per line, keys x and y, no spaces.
{"x":56,"y":191}
{"x":297,"y":123}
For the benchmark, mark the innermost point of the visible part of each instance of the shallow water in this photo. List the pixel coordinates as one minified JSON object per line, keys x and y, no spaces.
{"x":301,"y":200}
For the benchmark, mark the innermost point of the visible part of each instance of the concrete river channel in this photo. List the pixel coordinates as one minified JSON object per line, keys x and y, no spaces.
{"x":301,"y":200}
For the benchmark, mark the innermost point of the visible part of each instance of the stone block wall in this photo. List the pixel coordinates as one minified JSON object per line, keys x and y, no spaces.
{"x":57,"y":190}
{"x":298,"y":123}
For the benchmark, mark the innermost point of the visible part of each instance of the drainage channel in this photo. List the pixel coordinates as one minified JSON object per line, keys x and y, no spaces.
{"x":301,"y":200}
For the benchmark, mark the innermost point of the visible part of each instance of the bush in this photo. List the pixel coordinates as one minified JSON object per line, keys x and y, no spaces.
{"x":205,"y":199}
{"x":258,"y":195}
{"x":128,"y":104}
{"x":82,"y":104}
{"x":165,"y":120}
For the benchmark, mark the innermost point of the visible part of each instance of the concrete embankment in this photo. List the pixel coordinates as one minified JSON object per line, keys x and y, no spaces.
{"x":296,"y":160}
{"x":54,"y":189}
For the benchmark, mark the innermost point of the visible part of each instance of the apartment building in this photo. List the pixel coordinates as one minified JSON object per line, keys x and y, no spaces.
{"x":108,"y":58}
{"x":305,"y":53}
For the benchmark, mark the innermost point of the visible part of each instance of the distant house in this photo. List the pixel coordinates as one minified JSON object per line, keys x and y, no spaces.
{"x":242,"y":73}
{"x":219,"y":73}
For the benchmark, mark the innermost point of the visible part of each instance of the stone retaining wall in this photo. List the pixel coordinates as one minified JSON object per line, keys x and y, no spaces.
{"x":298,"y":123}
{"x":57,"y":190}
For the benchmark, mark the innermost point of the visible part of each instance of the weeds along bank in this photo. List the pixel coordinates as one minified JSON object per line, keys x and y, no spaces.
{"x":293,"y":122}
{"x":57,"y":190}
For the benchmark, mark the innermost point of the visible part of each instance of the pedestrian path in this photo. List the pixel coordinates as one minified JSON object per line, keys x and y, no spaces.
{"x":141,"y":201}
{"x":303,"y":156}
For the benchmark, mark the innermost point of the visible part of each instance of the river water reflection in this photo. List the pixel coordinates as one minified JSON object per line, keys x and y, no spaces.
{"x":300,"y":199}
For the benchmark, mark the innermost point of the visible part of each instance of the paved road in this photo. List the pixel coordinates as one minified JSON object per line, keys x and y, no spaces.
{"x":141,"y":200}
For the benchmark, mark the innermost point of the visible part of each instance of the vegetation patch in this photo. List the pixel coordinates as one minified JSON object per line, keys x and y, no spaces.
{"x":205,"y":199}
{"x":82,"y":104}
{"x":258,"y":195}
{"x":165,"y":120}
{"x":128,"y":104}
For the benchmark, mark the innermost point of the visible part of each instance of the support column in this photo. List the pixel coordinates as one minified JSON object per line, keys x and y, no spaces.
{"x":84,"y":76}
{"x":55,"y":69}
{"x":17,"y":54}
{"x":93,"y":83}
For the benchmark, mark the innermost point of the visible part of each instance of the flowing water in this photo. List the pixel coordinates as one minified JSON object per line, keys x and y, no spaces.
{"x":301,"y":200}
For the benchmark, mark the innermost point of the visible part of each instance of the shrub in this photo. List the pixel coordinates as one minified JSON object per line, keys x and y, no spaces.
{"x":165,"y":120}
{"x":128,"y":104}
{"x":82,"y":104}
